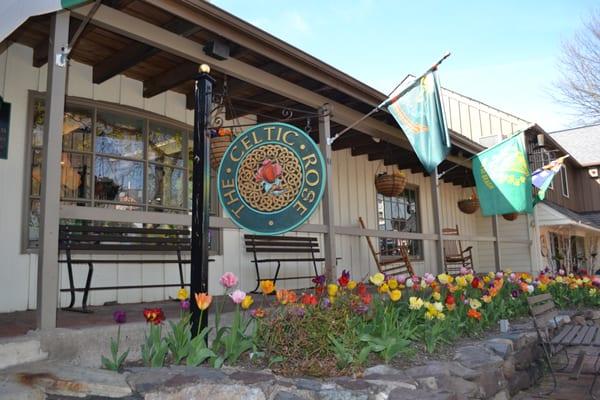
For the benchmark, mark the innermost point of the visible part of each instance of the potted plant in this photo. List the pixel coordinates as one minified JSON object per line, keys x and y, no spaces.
{"x":510,"y":216}
{"x":390,"y":184}
{"x":220,"y":139}
{"x":470,"y":204}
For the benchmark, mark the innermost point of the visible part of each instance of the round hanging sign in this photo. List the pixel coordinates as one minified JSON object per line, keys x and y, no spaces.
{"x":271,"y":178}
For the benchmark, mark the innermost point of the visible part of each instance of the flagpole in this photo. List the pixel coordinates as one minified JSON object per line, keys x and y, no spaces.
{"x":388,"y":100}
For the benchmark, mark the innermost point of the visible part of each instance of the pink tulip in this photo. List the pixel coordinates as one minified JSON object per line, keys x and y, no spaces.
{"x":228,"y":280}
{"x":237,"y":296}
{"x":401,"y":278}
{"x":429,"y":278}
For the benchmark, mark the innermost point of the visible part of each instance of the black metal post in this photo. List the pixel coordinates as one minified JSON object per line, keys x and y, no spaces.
{"x":200,"y":195}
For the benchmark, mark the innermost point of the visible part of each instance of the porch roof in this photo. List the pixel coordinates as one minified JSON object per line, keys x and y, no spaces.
{"x":161,"y":42}
{"x":554,"y":215}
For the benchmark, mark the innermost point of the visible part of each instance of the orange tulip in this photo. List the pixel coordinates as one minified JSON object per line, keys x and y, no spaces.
{"x":203,"y":300}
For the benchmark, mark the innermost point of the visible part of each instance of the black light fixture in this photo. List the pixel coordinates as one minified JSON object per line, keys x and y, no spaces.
{"x":217,"y":49}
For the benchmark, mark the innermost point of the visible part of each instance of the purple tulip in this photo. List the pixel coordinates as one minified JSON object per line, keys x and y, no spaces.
{"x":515,"y":294}
{"x":185,"y":305}
{"x":319,"y":280}
{"x":120,"y":316}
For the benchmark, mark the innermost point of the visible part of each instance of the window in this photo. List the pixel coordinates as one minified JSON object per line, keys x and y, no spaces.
{"x":564,"y":181}
{"x":399,"y":214}
{"x":116,"y":159}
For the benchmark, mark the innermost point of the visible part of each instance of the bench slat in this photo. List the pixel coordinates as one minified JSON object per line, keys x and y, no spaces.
{"x":296,"y":238}
{"x":539,"y":298}
{"x":282,"y":250}
{"x":580,"y":335}
{"x":563,"y":332}
{"x":539,"y":309}
{"x":572,"y":334}
{"x":263,"y":243}
{"x":123,"y":229}
{"x":122,"y":239}
{"x":288,"y":259}
{"x":127,"y":247}
{"x":141,"y":261}
{"x":126,"y":287}
{"x":587,"y":340}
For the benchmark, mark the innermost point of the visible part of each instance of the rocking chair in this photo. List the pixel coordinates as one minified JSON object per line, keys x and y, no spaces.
{"x":395,"y":265}
{"x":455,"y":257}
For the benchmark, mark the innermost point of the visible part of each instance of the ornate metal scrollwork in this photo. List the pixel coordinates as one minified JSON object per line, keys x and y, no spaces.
{"x":287,"y":114}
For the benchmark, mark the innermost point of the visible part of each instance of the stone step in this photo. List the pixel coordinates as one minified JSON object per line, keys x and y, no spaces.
{"x":20,"y":351}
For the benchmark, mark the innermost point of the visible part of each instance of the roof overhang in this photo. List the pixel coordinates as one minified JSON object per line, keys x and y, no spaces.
{"x":548,"y":216}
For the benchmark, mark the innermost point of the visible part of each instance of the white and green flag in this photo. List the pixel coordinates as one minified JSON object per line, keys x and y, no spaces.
{"x":15,"y":12}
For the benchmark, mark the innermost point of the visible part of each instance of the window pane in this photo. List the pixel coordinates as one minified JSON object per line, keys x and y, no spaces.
{"x":165,"y":145}
{"x":399,"y":214}
{"x":37,"y":128}
{"x":36,"y":171}
{"x":75,"y":177}
{"x":119,"y":135}
{"x":77,"y":129}
{"x":118,"y":180}
{"x":34,"y":222}
{"x":165,"y":186}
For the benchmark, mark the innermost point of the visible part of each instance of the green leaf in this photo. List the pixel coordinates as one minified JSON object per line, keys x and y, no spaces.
{"x":198,"y":357}
{"x":275,"y":360}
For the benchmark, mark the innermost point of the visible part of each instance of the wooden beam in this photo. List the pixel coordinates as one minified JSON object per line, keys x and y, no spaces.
{"x":40,"y":52}
{"x":155,"y":36}
{"x":328,"y":203}
{"x":171,"y":78}
{"x":137,"y":52}
{"x":351,"y":139}
{"x":368,"y":148}
{"x":48,"y":269}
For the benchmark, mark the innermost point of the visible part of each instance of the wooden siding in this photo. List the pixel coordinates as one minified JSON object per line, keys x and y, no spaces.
{"x":354,"y":196}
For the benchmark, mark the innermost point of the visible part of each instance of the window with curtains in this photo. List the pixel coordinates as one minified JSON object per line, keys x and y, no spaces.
{"x":116,"y":159}
{"x":400,"y":214}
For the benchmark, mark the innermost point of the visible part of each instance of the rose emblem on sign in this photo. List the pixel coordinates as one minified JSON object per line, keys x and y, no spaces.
{"x":269,"y":174}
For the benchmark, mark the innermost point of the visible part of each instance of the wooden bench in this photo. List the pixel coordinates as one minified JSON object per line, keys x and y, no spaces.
{"x":543,"y":311}
{"x":305,"y":249}
{"x":98,"y":240}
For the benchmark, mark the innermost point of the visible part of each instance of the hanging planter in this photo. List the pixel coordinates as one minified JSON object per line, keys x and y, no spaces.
{"x":510,"y":216}
{"x":470,"y":204}
{"x":390,"y":184}
{"x":219,"y":142}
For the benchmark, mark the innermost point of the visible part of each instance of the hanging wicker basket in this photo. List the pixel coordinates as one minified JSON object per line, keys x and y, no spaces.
{"x":390,"y":184}
{"x":468,"y":206}
{"x":218,"y":146}
{"x":510,"y":216}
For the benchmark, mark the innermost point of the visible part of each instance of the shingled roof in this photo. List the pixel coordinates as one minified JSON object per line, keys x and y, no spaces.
{"x":581,"y":143}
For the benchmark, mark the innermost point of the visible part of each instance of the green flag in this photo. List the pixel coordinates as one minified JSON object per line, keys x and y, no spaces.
{"x":502,"y":178}
{"x":418,"y":111}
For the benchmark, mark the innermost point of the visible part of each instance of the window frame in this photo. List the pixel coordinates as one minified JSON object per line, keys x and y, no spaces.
{"x":148,"y":119}
{"x":564,"y":181}
{"x":416,"y":189}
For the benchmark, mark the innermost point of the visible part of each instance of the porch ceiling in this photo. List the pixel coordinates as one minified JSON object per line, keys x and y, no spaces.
{"x":111,"y":50}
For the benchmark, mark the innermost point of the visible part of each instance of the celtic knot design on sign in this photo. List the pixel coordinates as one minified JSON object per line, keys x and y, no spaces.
{"x":269,"y":177}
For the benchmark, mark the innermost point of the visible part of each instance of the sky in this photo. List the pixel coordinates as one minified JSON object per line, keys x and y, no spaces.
{"x":504,"y":52}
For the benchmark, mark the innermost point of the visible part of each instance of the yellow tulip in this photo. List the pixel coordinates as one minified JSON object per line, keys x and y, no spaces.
{"x":395,"y":295}
{"x":461,"y":281}
{"x":474,"y":303}
{"x":415,"y":303}
{"x":377,"y":279}
{"x":384,"y":288}
{"x":392,"y":283}
{"x":436,"y":296}
{"x":182,"y":294}
{"x":332,"y":289}
{"x":247,"y":302}
{"x":351,"y":285}
{"x":445,"y":279}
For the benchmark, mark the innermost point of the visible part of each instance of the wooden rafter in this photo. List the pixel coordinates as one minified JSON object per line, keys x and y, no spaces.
{"x":138,"y":52}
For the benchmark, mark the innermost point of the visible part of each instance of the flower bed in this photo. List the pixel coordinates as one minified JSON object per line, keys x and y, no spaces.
{"x":341,"y":327}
